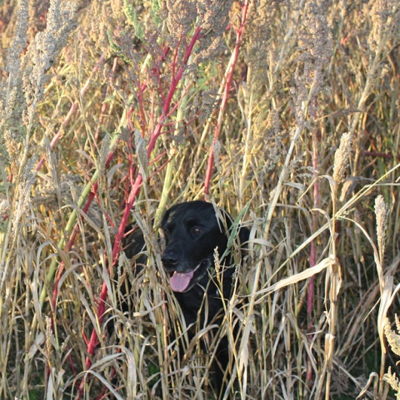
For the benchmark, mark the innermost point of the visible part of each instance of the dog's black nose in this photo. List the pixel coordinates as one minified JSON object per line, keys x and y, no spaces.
{"x":170,"y":259}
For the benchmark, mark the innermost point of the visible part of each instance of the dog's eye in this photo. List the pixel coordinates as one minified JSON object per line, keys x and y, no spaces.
{"x":196,"y":230}
{"x":166,"y":231}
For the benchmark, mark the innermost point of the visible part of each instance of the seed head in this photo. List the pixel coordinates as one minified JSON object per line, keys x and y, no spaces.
{"x":381,"y":211}
{"x":342,"y":157}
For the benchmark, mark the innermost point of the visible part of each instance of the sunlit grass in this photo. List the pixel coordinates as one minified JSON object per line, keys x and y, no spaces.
{"x":296,"y":102}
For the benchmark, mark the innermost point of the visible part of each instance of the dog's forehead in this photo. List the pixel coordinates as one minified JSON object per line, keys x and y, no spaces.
{"x":191,"y":212}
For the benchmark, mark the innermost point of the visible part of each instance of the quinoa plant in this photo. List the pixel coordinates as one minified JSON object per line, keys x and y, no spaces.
{"x":283,"y":113}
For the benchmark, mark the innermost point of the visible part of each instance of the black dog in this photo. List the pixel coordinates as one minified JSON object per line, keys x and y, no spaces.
{"x":192,"y":232}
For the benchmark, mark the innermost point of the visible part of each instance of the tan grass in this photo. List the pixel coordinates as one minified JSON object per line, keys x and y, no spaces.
{"x":83,"y":86}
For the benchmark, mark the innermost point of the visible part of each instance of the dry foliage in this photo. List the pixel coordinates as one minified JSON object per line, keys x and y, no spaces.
{"x":112,"y":110}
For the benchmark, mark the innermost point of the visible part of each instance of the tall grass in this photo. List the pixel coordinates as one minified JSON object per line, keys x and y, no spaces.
{"x":286,"y":114}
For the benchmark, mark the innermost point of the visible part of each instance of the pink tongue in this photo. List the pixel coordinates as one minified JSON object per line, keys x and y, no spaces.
{"x":180,"y":281}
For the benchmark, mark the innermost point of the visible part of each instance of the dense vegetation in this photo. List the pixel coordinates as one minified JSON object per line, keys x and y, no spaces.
{"x":285,"y":113}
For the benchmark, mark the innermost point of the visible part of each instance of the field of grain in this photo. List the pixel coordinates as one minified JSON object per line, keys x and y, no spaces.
{"x":285,"y":113}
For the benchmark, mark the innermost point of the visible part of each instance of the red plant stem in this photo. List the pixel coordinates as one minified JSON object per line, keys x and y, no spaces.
{"x":312,"y":259}
{"x":133,"y":194}
{"x":376,"y":154}
{"x":228,"y":82}
{"x":156,"y":133}
{"x":72,"y":111}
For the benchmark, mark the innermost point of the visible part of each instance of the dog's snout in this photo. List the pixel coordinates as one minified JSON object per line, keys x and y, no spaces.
{"x":170,"y":259}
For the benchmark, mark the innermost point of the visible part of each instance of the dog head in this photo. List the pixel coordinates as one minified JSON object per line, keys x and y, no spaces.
{"x":192,"y":232}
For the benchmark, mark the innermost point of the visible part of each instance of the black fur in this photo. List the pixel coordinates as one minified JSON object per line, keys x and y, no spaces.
{"x":192,"y":232}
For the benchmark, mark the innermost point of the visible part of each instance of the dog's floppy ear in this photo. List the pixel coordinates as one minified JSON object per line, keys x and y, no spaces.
{"x":235,"y":229}
{"x":164,"y":218}
{"x":229,"y":225}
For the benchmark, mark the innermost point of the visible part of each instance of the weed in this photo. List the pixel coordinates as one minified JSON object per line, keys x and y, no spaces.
{"x":284,"y":113}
